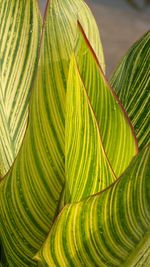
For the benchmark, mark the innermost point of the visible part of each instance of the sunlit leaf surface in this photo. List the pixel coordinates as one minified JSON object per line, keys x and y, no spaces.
{"x":107,"y":229}
{"x":20,"y":32}
{"x":116,"y":131}
{"x":30,"y":193}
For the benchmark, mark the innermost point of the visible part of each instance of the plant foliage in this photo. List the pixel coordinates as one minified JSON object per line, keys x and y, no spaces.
{"x":19,"y":42}
{"x":78,"y":192}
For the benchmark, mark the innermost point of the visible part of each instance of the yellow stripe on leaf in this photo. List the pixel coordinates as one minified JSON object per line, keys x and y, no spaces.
{"x":30,"y":193}
{"x":131,"y":81}
{"x":99,"y":230}
{"x":116,"y":130}
{"x":87,"y":168}
{"x":20,"y":35}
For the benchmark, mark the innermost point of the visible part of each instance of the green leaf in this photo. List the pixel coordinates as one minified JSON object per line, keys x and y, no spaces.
{"x":30,"y":193}
{"x":19,"y":41}
{"x":99,"y":138}
{"x":116,"y":131}
{"x":131,"y":82}
{"x":111,"y":228}
{"x":87,"y":168}
{"x":3,"y":260}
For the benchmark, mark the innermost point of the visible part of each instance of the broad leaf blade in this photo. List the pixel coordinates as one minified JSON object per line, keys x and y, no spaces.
{"x":19,"y":37}
{"x":30,"y":194}
{"x":131,"y":82}
{"x":93,"y":35}
{"x":111,"y":228}
{"x":87,"y":168}
{"x":116,"y":130}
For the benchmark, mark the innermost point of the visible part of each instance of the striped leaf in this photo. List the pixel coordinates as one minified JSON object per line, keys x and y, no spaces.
{"x":30,"y":193}
{"x":87,"y":168}
{"x":19,"y":42}
{"x":99,"y":138}
{"x":3,"y":261}
{"x":111,"y":228}
{"x":116,"y":130}
{"x":131,"y":82}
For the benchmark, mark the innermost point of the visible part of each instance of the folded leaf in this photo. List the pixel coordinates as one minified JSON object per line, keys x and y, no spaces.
{"x":58,"y":44}
{"x":30,"y":193}
{"x":116,"y":131}
{"x":19,"y":41}
{"x":87,"y":168}
{"x":111,"y":228}
{"x":131,"y":82}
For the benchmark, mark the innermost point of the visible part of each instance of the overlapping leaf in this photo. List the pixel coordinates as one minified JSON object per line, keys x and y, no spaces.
{"x":87,"y":167}
{"x":115,"y":128}
{"x":30,"y":193}
{"x":19,"y":42}
{"x":99,"y":138}
{"x":111,"y":228}
{"x":131,"y":82}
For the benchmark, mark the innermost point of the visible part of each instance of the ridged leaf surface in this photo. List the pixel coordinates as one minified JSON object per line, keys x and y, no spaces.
{"x":19,"y":42}
{"x":30,"y":193}
{"x":131,"y":81}
{"x":116,"y":131}
{"x":111,"y":228}
{"x":88,"y":170}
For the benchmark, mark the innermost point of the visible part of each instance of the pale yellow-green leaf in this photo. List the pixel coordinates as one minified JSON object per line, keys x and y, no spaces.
{"x":111,"y":228}
{"x":116,"y":131}
{"x":20,"y":32}
{"x":30,"y":193}
{"x":87,"y":167}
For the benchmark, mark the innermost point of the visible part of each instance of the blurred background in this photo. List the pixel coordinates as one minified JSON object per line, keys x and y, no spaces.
{"x":121,"y":23}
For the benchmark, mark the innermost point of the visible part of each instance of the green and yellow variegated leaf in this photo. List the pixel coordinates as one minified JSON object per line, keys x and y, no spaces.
{"x":131,"y":82}
{"x":111,"y":228}
{"x":87,"y":168}
{"x":59,"y":42}
{"x":30,"y":194}
{"x":19,"y":42}
{"x":61,"y":19}
{"x":116,"y":131}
